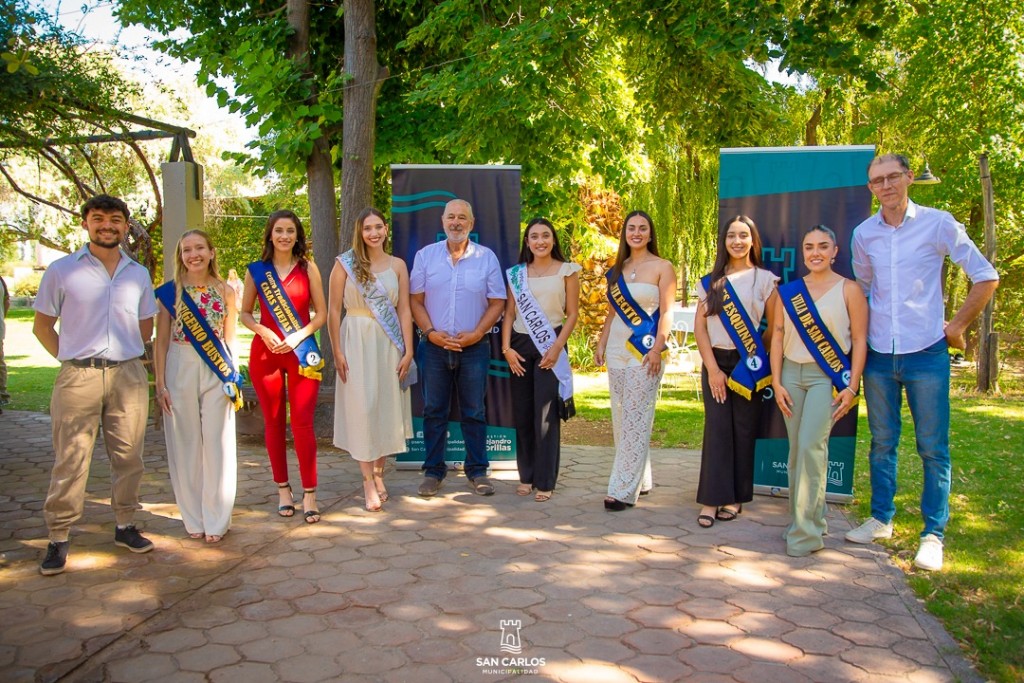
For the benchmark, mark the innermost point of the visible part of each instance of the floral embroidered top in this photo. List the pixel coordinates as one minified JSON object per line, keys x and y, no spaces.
{"x":210,"y":303}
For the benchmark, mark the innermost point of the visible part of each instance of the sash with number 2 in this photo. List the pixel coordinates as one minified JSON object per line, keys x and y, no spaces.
{"x":271,"y":291}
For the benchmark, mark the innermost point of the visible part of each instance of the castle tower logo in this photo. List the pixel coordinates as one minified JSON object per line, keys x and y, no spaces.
{"x":510,"y":641}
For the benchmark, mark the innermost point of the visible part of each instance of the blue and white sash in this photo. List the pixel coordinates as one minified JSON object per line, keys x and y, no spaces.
{"x":820,"y":343}
{"x":204,"y":340}
{"x":379,"y":303}
{"x":540,"y":330}
{"x":643,"y":327}
{"x":753,"y":373}
{"x":271,"y":291}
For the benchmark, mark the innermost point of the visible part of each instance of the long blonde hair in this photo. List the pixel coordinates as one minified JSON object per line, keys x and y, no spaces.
{"x":362,"y":260}
{"x":180,"y":269}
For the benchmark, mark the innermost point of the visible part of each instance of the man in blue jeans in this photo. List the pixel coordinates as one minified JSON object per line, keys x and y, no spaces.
{"x":457,"y":295}
{"x":897,"y":257}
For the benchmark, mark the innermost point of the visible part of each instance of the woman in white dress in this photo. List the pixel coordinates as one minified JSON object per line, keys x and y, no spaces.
{"x":373,"y":353}
{"x":640,"y":279}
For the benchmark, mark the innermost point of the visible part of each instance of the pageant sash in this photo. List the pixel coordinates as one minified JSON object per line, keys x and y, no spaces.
{"x":383,"y":310}
{"x":753,"y":373}
{"x":203,"y":339}
{"x":820,"y":343}
{"x":643,"y":327}
{"x":537,"y":325}
{"x":271,"y":291}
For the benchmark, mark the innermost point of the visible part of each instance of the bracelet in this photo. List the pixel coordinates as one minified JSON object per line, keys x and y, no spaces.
{"x":855,"y":393}
{"x":506,"y":349}
{"x":426,"y":335}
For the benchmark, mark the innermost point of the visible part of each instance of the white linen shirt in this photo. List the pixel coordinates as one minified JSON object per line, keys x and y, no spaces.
{"x":99,"y":314}
{"x":900,"y":270}
{"x":456,"y":294}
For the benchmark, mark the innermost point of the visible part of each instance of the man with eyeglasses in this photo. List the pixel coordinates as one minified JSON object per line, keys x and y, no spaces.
{"x":898,"y":255}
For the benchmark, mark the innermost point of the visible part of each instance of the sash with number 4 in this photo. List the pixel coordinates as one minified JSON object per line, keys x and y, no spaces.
{"x":207,"y":344}
{"x":753,"y":372}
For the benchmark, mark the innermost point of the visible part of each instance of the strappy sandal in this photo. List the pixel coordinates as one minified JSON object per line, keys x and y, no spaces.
{"x":369,"y":485}
{"x":382,"y":493}
{"x":311,"y":516}
{"x":196,"y":537}
{"x":727,"y":514}
{"x":286,"y":510}
{"x":705,"y":521}
{"x":543,"y":496}
{"x":524,"y":489}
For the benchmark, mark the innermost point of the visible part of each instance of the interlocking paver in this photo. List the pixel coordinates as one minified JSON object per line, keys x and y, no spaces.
{"x":425,"y":590}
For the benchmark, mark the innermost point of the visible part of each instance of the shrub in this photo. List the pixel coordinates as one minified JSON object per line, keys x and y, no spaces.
{"x":28,"y":285}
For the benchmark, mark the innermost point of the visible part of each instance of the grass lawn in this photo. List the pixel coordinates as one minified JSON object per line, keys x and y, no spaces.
{"x":979,"y":593}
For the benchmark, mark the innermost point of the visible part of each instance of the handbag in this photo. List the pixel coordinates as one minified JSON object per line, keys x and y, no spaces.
{"x":567,"y":408}
{"x":411,"y":377}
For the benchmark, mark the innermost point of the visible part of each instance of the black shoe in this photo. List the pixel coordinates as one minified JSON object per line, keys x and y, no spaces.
{"x":616,"y":505}
{"x":56,"y":558}
{"x":129,"y":537}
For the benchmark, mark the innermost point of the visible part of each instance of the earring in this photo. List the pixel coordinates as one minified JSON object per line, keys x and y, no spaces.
{"x":832,"y":261}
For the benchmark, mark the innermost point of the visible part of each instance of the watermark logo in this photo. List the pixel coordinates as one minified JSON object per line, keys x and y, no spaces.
{"x":510,"y":641}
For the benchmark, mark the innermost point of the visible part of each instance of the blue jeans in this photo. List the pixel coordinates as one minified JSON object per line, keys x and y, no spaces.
{"x":925,"y":376}
{"x":466,"y":372}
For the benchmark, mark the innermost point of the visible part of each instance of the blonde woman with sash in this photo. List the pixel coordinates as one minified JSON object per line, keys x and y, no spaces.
{"x":540,"y":314}
{"x":373,"y":353}
{"x":732,"y":300}
{"x":818,"y":353}
{"x":641,"y":290}
{"x":197,"y":387}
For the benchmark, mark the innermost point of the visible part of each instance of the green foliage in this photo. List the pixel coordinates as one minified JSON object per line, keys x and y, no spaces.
{"x":28,"y":285}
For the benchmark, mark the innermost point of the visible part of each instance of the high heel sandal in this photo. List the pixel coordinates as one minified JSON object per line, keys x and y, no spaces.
{"x":311,"y":516}
{"x":382,"y":493}
{"x":286,"y":510}
{"x":370,"y":485}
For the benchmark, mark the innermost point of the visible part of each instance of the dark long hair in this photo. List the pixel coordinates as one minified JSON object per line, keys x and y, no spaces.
{"x":526,"y":256}
{"x":717,"y":290}
{"x":299,"y":249}
{"x":623,"y":254}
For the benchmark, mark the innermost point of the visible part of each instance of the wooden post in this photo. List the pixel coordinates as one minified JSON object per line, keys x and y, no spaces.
{"x":988,"y":341}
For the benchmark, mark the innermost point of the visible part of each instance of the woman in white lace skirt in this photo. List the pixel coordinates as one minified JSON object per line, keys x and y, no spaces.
{"x":641,"y":289}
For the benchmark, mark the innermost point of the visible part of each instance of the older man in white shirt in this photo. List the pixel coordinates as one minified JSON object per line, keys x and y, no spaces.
{"x":457,"y":295}
{"x":897,"y":257}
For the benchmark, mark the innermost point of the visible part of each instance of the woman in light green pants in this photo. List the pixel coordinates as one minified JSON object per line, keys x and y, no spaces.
{"x":810,"y":400}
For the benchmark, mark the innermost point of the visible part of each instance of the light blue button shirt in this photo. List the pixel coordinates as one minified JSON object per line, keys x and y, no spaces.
{"x":900,"y":270}
{"x":99,"y":314}
{"x":456,"y":294}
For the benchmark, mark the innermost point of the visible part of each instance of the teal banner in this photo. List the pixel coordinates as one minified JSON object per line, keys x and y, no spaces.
{"x":787,"y":190}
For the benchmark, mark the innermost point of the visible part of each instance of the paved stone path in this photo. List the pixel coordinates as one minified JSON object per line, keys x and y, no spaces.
{"x":421,"y":591}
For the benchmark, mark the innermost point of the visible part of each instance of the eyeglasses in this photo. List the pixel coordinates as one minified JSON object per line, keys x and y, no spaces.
{"x":881,"y":180}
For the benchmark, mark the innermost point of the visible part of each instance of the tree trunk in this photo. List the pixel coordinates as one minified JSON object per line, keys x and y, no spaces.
{"x":360,"y":105}
{"x":323,"y":211}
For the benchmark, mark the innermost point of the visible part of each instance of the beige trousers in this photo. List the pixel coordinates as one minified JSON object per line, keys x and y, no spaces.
{"x":84,"y":398}
{"x":200,"y":433}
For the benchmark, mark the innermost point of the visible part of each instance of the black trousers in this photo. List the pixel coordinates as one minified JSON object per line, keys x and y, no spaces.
{"x":730,"y":431}
{"x":535,"y":411}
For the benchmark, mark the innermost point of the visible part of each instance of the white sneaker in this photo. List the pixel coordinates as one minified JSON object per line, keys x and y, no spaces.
{"x":869,"y":531}
{"x":929,"y":554}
